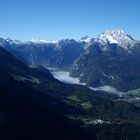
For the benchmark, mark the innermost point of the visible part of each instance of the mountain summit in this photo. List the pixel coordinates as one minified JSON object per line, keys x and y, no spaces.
{"x":117,"y":36}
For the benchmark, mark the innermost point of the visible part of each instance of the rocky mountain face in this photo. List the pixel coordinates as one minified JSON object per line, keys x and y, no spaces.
{"x":111,"y":59}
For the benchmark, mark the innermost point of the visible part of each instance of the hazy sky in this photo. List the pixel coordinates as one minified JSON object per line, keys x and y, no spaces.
{"x":57,"y":19}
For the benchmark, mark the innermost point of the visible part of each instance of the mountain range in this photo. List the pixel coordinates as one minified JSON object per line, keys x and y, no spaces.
{"x":112,"y":59}
{"x":35,"y":105}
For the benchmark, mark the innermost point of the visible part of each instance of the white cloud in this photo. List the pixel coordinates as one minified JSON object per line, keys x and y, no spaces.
{"x":108,"y":89}
{"x":65,"y":77}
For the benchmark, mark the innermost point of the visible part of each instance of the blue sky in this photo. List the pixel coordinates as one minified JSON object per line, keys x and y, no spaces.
{"x":57,"y":19}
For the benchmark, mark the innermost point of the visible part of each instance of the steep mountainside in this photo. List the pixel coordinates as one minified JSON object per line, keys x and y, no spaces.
{"x":111,"y":59}
{"x":28,"y":114}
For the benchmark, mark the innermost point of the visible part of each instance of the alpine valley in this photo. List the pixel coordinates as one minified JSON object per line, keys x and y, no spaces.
{"x":100,"y":101}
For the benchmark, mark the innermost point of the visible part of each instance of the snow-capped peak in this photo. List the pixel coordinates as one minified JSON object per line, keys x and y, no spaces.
{"x":9,"y":39}
{"x":85,"y":39}
{"x":117,"y":37}
{"x":13,"y":41}
{"x":44,"y":41}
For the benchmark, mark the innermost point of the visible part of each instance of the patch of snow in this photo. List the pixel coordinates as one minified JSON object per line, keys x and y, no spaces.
{"x":85,"y":39}
{"x":12,"y":41}
{"x":108,"y":38}
{"x":44,"y":41}
{"x":112,"y":77}
{"x":104,"y":74}
{"x":108,"y":76}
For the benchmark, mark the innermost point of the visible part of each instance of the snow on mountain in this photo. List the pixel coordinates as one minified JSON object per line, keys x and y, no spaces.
{"x":85,"y":39}
{"x":40,"y":41}
{"x":35,"y":41}
{"x":114,"y":36}
{"x":12,"y":41}
{"x":117,"y":37}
